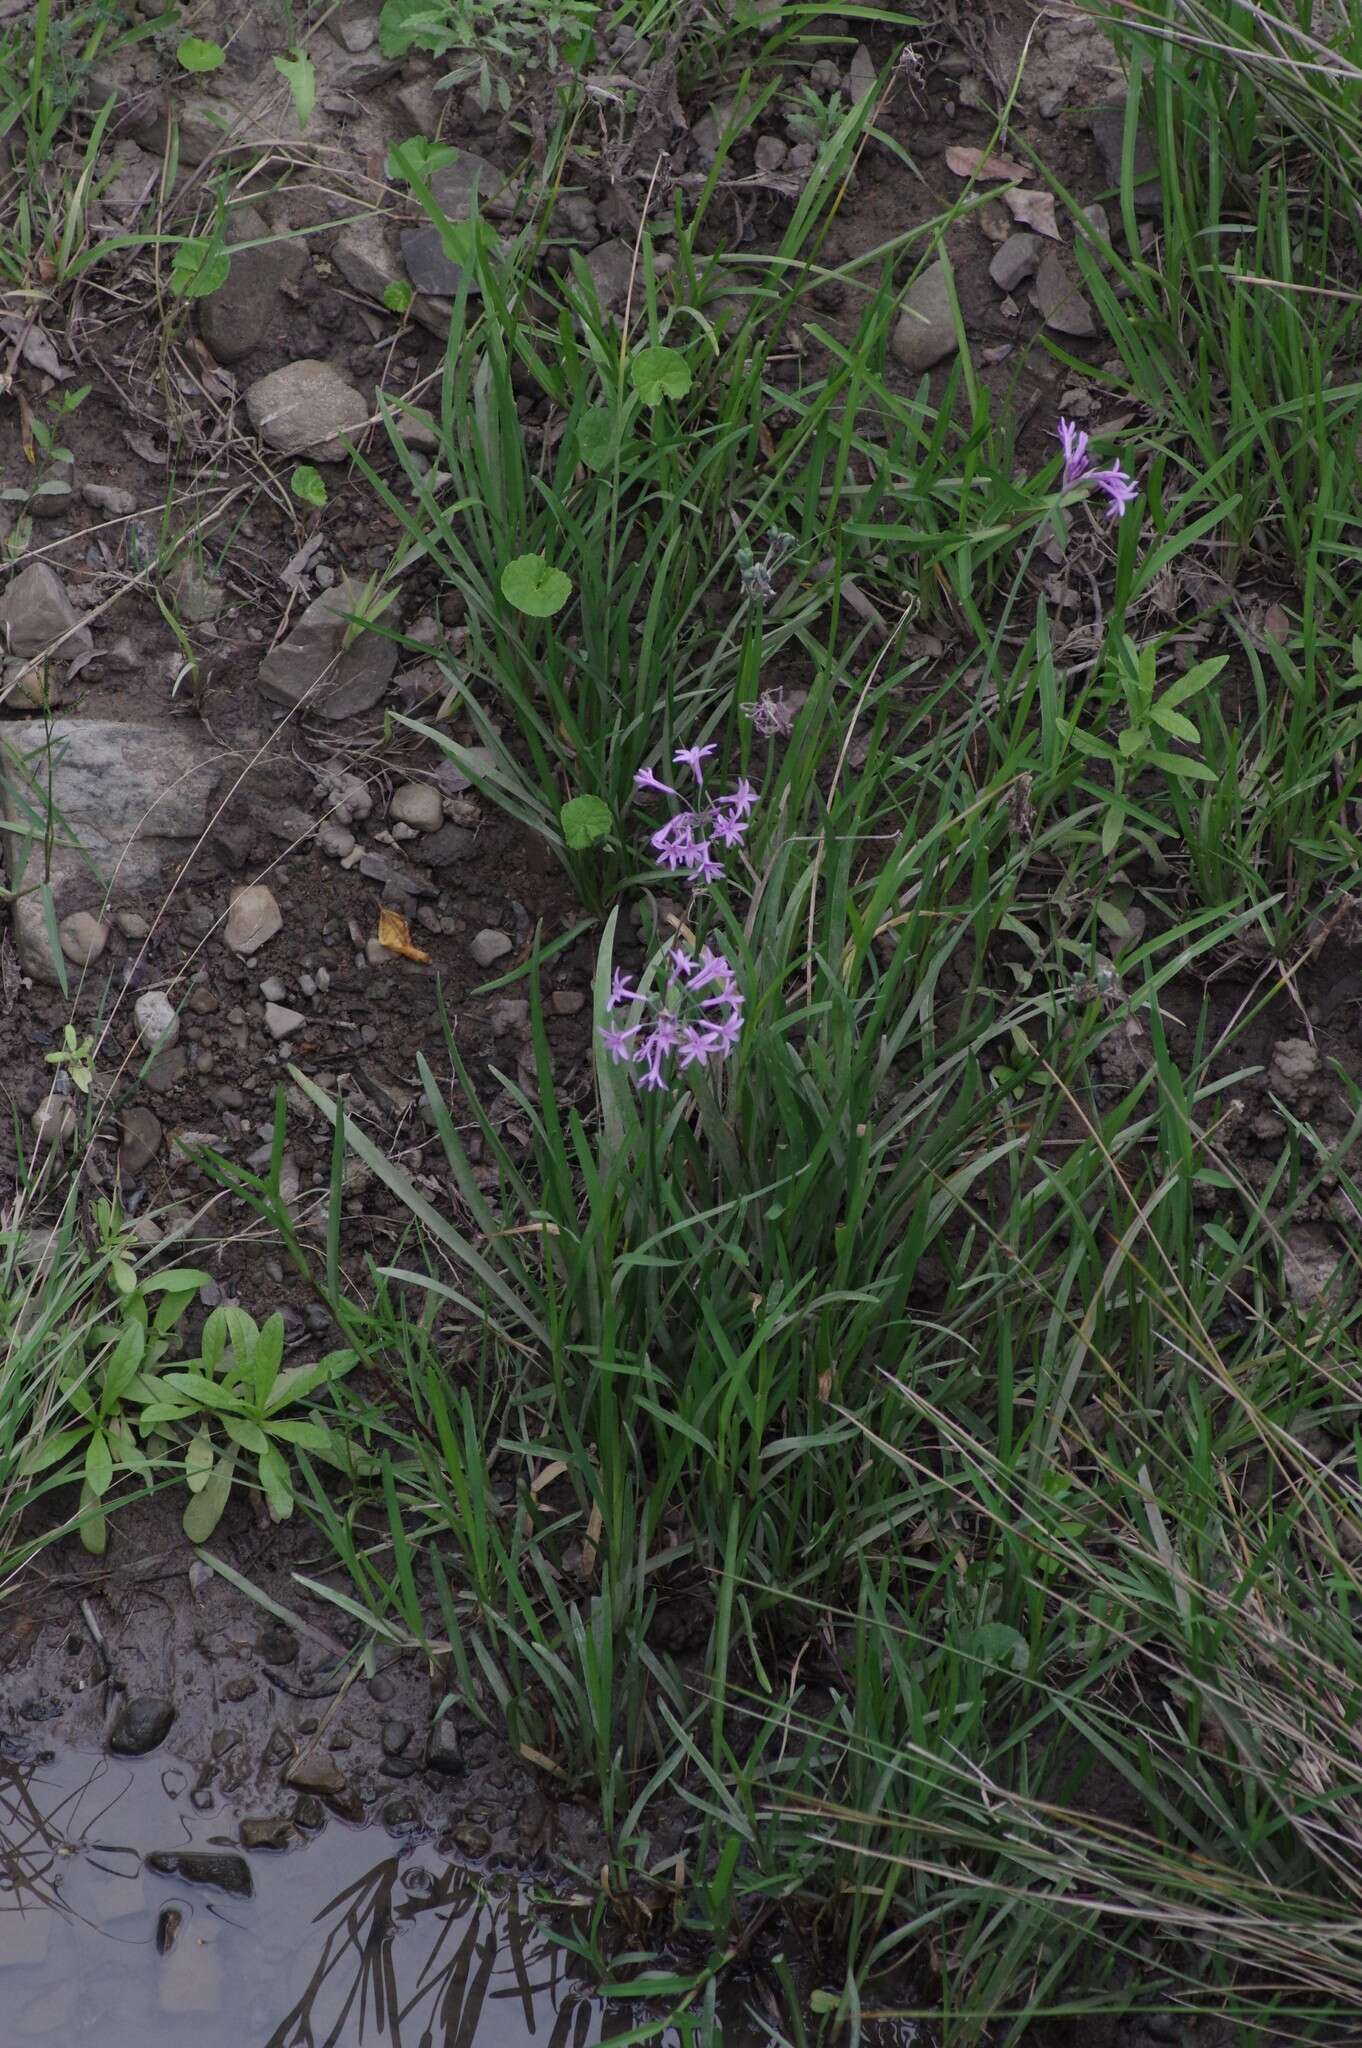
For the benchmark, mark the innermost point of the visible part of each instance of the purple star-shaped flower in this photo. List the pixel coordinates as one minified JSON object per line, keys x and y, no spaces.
{"x":1120,"y":489}
{"x":1074,"y":443}
{"x":694,"y":758}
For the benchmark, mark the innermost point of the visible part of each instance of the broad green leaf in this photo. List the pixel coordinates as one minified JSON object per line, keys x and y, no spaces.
{"x":414,"y":160}
{"x":196,"y":53}
{"x":50,"y":1451}
{"x":1181,"y":764}
{"x":1175,"y":723}
{"x":297,"y":69}
{"x":598,"y":436}
{"x":535,"y":587}
{"x":309,"y":1436}
{"x":397,"y":296}
{"x":215,"y":1339}
{"x":199,"y":266}
{"x":1196,"y":678}
{"x":125,"y":1364}
{"x":98,"y":1465}
{"x":207,"y":1393}
{"x":122,"y":1277}
{"x":243,"y":1334}
{"x":586,"y":821}
{"x":659,"y":373}
{"x":269,"y":1355}
{"x":249,"y":1435}
{"x":274,"y":1477}
{"x":308,"y":484}
{"x":198,"y":1461}
{"x":94,"y":1529}
{"x":204,"y":1512}
{"x":1133,"y":740}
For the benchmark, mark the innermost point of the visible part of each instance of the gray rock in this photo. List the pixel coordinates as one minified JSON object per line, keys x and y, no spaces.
{"x":396,"y":1737}
{"x":1016,"y":260}
{"x":575,"y":217}
{"x":312,"y":1772}
{"x":37,"y":685}
{"x":82,"y":937}
{"x":566,"y":1002}
{"x":428,"y":267}
{"x":862,"y":77}
{"x":274,"y":988}
{"x":141,"y":1140}
{"x":36,"y":610}
{"x":304,"y":409}
{"x":420,"y":107}
{"x":53,"y":1122}
{"x":270,"y":1831}
{"x":365,"y":254}
{"x":418,"y":804}
{"x":443,"y":1751}
{"x":455,"y":183}
{"x":926,"y":331}
{"x":110,"y":498}
{"x":1313,"y":1267}
{"x":1060,"y":298}
{"x":253,"y":919}
{"x":1108,"y":132}
{"x":450,"y":844}
{"x":141,"y":1725}
{"x":240,"y":313}
{"x":770,"y":153}
{"x":401,"y":1815}
{"x":512,"y":1014}
{"x":612,"y":266}
{"x":222,"y":1870}
{"x":158,"y":1021}
{"x":335,"y":840}
{"x":491,"y":946}
{"x":314,"y":666}
{"x":281,"y":1022}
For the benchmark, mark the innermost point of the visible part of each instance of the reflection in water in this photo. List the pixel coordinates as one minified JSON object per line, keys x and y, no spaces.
{"x":340,"y":1946}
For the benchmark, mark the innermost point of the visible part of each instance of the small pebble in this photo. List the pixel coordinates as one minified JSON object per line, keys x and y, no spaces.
{"x":566,"y":1002}
{"x":53,"y":1121}
{"x":281,"y":1022}
{"x":158,"y":1023}
{"x":490,"y":946}
{"x":335,"y":840}
{"x":83,"y":938}
{"x":274,"y":989}
{"x":418,"y":804}
{"x":253,"y":919}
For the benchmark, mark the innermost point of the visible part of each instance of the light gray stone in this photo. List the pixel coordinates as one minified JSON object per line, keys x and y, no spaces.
{"x":418,"y":804}
{"x":281,"y":1022}
{"x":926,"y":329}
{"x":365,"y":254}
{"x":158,"y":1021}
{"x":428,"y":267}
{"x":83,"y":937}
{"x":253,"y":919}
{"x":455,"y":183}
{"x":125,"y":805}
{"x":314,"y":667}
{"x":35,"y":610}
{"x":489,"y":947}
{"x":54,"y":1120}
{"x":1017,"y":259}
{"x":1060,"y":299}
{"x":305,"y":408}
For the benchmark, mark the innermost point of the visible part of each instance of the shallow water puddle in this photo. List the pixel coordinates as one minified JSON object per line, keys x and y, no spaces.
{"x":350,"y":1940}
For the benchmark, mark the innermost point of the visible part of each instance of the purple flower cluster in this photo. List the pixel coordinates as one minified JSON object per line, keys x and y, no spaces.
{"x":697,"y":1018}
{"x":1120,"y":489}
{"x":686,"y":843}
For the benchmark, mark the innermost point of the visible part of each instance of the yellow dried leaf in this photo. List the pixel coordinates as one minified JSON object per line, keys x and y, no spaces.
{"x":395,"y":933}
{"x":973,"y":163}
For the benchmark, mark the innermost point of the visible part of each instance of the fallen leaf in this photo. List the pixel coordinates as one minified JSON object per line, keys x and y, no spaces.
{"x":34,"y":346}
{"x":1277,"y":625}
{"x":972,"y":163}
{"x":1034,"y":210}
{"x":395,"y":934}
{"x":143,"y":445}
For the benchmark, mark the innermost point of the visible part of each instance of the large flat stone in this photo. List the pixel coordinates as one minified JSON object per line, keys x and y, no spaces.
{"x":125,"y":804}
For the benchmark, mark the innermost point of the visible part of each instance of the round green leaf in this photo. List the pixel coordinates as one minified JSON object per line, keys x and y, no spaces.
{"x":196,"y":53}
{"x":199,"y":267}
{"x":660,"y":373}
{"x":306,"y":483}
{"x":586,"y":821}
{"x":598,"y":437}
{"x":535,"y":587}
{"x":397,"y":296}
